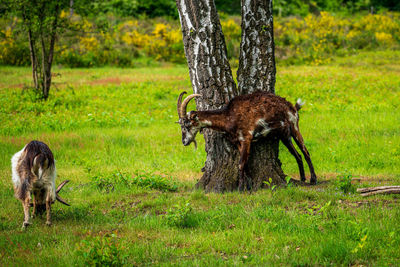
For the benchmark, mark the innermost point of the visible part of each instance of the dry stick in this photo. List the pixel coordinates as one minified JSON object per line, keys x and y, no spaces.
{"x":370,"y":189}
{"x":385,"y":191}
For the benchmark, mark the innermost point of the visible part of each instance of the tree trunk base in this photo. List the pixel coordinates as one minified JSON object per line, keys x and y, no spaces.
{"x":221,"y":170}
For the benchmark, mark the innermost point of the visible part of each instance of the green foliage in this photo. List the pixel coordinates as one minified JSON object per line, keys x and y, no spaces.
{"x":343,"y":183}
{"x":180,"y":215}
{"x":288,"y":181}
{"x":89,"y":42}
{"x":284,"y":8}
{"x":140,"y":179}
{"x":136,"y":8}
{"x":102,"y":250}
{"x":269,"y":184}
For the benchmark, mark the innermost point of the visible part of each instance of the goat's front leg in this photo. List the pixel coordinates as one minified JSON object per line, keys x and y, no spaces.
{"x":244,"y":150}
{"x":26,"y":203}
{"x":34,"y":211}
{"x":48,"y":208}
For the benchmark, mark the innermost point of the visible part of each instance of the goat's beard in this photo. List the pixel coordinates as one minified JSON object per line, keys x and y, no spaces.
{"x":195,"y":143}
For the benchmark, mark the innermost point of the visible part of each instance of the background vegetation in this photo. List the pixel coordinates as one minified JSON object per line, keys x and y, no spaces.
{"x":113,"y":134}
{"x":129,"y":33}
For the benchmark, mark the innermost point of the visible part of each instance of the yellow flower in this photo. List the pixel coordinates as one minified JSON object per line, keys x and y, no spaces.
{"x":160,"y":30}
{"x":384,"y":38}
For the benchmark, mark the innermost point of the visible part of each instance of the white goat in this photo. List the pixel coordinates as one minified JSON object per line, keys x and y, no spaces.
{"x":34,"y":171}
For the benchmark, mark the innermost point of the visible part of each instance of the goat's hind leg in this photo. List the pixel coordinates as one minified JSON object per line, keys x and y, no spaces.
{"x":300,"y":142}
{"x":26,"y":203}
{"x":288,"y":143}
{"x":48,"y":207}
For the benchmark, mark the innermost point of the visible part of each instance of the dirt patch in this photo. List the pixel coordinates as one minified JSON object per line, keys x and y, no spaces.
{"x":359,"y":179}
{"x":187,"y":175}
{"x":111,"y":80}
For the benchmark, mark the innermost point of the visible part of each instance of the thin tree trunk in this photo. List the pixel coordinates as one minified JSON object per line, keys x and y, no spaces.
{"x":33,"y":59}
{"x":211,"y":77}
{"x":53,"y":34}
{"x":45,"y":89}
{"x":31,"y":51}
{"x":257,"y":72}
{"x":71,"y":8}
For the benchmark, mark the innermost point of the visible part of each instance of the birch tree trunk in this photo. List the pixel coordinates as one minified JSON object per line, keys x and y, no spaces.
{"x":211,"y":76}
{"x":257,"y":72}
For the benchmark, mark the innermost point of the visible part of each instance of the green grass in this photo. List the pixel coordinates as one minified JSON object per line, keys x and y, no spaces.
{"x":113,"y":135}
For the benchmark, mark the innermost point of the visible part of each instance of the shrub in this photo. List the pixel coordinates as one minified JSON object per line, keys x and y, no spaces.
{"x":90,"y":42}
{"x":179,"y":215}
{"x":343,"y":182}
{"x":102,"y":251}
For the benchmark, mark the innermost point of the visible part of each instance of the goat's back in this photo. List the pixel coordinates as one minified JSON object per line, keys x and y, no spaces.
{"x":33,"y":166}
{"x":260,"y":105}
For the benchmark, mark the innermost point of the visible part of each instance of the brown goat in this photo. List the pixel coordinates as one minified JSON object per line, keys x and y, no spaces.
{"x":34,"y":172}
{"x":246,"y":119}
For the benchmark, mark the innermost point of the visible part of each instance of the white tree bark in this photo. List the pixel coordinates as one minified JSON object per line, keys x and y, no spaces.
{"x":257,"y":59}
{"x":211,"y":77}
{"x":205,"y":51}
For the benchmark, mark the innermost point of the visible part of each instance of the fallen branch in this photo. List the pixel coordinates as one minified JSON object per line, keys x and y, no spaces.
{"x":379,"y":190}
{"x":370,"y":189}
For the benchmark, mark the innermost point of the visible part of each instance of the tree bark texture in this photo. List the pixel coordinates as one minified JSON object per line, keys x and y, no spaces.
{"x":257,"y":56}
{"x":211,"y":77}
{"x":257,"y":72}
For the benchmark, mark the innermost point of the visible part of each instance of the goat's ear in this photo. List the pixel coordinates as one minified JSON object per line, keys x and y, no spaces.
{"x":193,"y":116}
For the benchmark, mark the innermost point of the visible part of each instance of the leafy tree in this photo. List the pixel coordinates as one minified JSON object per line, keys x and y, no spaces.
{"x":40,"y":20}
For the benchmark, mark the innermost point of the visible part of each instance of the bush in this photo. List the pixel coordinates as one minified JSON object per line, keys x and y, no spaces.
{"x":119,"y":42}
{"x":180,"y":215}
{"x":343,"y":182}
{"x":102,"y":251}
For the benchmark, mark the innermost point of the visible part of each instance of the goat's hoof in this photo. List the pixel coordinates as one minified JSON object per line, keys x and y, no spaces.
{"x":25,"y":225}
{"x":48,"y":223}
{"x":313,"y":181}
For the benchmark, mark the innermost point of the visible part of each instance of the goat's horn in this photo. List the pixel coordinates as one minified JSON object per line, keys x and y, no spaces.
{"x":180,"y":103}
{"x":61,"y":200}
{"x":58,"y":190}
{"x":60,"y":186}
{"x":185,"y":103}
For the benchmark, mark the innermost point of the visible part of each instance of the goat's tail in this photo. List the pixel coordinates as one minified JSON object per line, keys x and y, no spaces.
{"x":299,"y":104}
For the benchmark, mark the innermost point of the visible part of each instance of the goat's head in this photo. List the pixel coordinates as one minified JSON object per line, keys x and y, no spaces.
{"x":189,"y":122}
{"x":41,"y":198}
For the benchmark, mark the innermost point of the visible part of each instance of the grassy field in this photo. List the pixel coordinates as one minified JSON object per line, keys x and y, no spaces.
{"x":113,"y":135}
